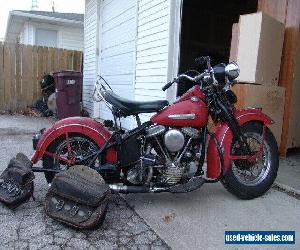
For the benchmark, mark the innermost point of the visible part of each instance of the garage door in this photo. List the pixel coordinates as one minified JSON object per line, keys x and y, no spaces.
{"x":117,"y":49}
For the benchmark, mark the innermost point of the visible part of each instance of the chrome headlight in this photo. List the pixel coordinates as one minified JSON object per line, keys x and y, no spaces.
{"x":232,"y":70}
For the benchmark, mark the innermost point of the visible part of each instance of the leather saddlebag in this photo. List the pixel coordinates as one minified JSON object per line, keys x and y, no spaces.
{"x":78,"y":197}
{"x":16,"y":182}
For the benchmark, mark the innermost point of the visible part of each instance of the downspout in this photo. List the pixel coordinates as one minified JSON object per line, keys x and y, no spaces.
{"x":96,"y":105}
{"x":174,"y":46}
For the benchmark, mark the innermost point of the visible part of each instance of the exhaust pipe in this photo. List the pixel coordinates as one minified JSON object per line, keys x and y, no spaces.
{"x":123,"y":189}
{"x":193,"y":184}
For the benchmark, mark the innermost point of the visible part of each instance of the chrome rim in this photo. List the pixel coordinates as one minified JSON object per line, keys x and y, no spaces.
{"x":80,"y":147}
{"x":253,"y":174}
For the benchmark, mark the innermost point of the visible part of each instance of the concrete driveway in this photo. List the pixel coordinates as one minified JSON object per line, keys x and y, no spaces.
{"x":151,"y":221}
{"x":198,"y":220}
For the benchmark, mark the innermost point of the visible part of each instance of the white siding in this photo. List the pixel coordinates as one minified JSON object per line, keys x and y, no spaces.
{"x":28,"y":34}
{"x":118,"y":31}
{"x":134,"y":38}
{"x":90,"y":53}
{"x":22,"y":37}
{"x":152,"y":50}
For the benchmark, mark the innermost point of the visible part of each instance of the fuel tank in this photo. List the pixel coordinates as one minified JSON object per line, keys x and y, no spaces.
{"x":190,"y":110}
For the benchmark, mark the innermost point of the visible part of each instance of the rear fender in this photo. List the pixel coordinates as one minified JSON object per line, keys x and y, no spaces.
{"x":224,"y":136}
{"x":81,"y":125}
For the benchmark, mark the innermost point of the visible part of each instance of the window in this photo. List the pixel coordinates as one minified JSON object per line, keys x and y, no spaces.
{"x":46,"y":38}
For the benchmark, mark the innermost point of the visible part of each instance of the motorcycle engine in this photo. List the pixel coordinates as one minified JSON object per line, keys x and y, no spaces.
{"x":172,"y":153}
{"x":174,"y":140}
{"x":183,"y":151}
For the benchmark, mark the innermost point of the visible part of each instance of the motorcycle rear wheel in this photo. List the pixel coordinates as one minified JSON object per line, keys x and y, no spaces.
{"x":80,"y":145}
{"x":246,"y":180}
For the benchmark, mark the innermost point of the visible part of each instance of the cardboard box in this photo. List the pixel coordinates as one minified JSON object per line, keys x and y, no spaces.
{"x":259,"y":50}
{"x":294,"y":120}
{"x":234,"y":42}
{"x":269,"y":98}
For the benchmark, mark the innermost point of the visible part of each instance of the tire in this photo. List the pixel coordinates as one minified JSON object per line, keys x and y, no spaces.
{"x":50,"y":163}
{"x":250,"y":189}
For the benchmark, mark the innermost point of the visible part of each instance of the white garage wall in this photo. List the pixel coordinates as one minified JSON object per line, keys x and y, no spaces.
{"x":90,"y":54}
{"x":118,"y":31}
{"x":152,"y":50}
{"x":134,"y":38}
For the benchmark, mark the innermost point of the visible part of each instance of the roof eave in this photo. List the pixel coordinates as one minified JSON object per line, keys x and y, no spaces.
{"x":41,"y":17}
{"x":33,"y":17}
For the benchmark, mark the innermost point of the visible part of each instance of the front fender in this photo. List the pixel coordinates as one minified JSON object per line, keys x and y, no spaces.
{"x":224,"y":136}
{"x":81,"y":125}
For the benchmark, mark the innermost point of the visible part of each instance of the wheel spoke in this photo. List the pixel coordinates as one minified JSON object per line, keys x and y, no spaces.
{"x":252,"y":173}
{"x":79,"y":148}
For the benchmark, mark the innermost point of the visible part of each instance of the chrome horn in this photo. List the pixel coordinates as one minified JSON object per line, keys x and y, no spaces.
{"x":232,"y":70}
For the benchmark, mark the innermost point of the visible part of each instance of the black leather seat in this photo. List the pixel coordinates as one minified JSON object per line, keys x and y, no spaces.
{"x":128,"y":107}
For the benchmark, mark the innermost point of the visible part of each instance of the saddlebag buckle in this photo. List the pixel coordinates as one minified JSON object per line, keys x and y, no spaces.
{"x":74,"y":211}
{"x":60,"y":204}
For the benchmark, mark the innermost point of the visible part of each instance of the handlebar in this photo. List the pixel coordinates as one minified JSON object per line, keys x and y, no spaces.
{"x":168,"y":85}
{"x":182,"y":77}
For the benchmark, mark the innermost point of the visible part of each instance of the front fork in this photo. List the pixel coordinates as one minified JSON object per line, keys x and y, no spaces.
{"x":199,"y":171}
{"x":252,"y":158}
{"x":240,"y":138}
{"x":233,"y":125}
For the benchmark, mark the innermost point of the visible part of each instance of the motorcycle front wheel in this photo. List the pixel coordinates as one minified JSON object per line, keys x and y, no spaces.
{"x":250,"y":180}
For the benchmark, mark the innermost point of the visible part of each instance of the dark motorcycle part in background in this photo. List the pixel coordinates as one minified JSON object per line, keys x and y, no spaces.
{"x":47,"y":85}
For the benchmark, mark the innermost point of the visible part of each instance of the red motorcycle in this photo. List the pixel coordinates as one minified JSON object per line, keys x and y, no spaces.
{"x":167,"y":153}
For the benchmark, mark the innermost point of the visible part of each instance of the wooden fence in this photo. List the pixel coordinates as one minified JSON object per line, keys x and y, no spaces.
{"x":22,"y":67}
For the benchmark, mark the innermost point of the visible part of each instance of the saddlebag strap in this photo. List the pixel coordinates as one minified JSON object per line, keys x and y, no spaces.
{"x":77,"y":215}
{"x":80,"y":184}
{"x":16,"y":182}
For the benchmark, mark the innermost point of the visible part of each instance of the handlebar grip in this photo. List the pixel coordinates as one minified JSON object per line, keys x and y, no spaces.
{"x":168,"y":85}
